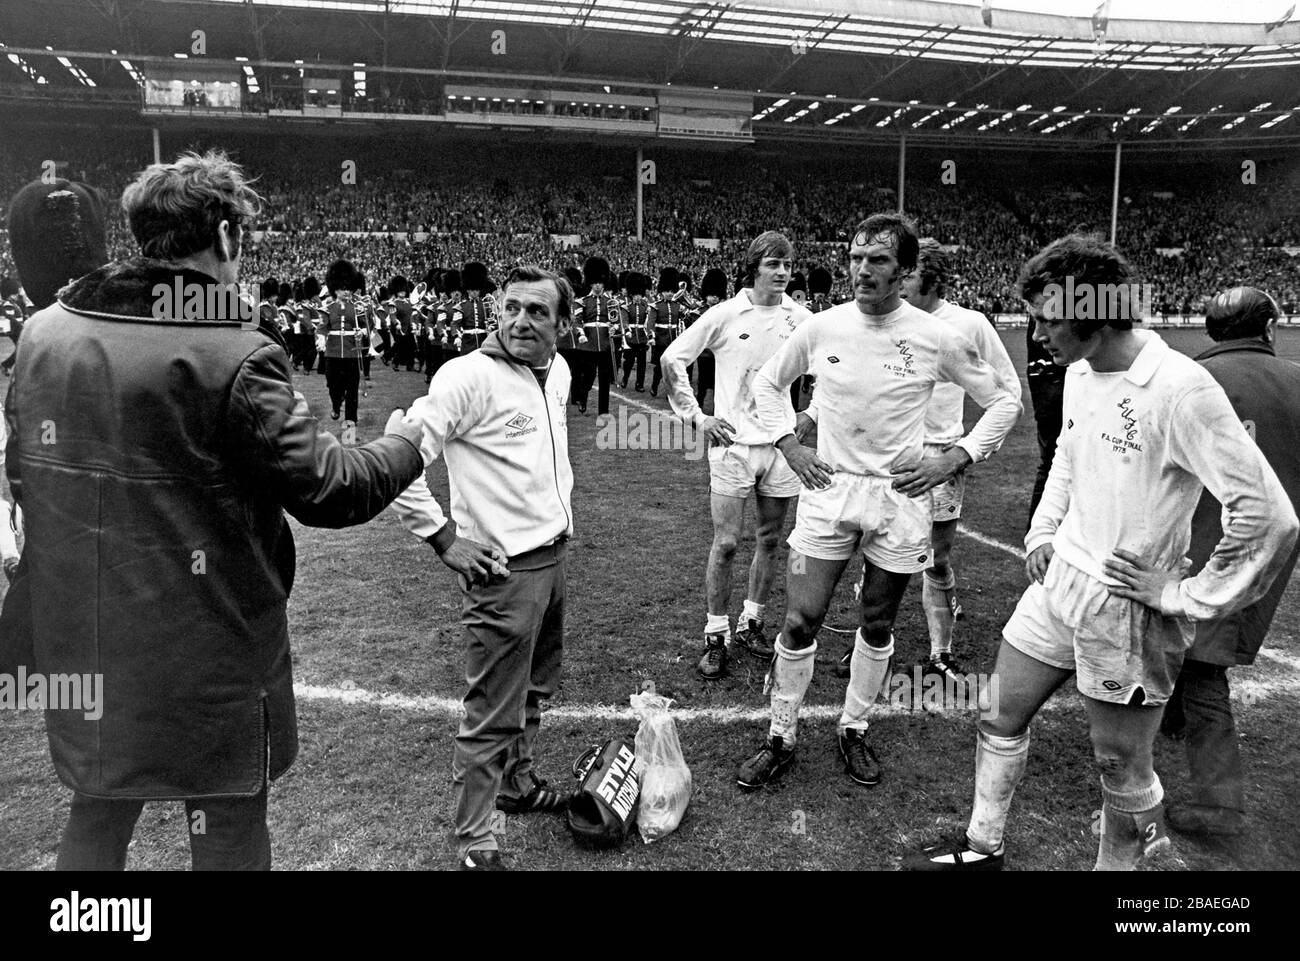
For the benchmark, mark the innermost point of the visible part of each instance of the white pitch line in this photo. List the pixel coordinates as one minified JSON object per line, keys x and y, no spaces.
{"x":1286,"y":660}
{"x":641,"y":404}
{"x":444,"y":706}
{"x":1247,"y":692}
{"x":991,"y":542}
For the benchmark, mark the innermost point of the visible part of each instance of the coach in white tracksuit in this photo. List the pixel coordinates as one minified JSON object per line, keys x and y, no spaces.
{"x":497,"y":416}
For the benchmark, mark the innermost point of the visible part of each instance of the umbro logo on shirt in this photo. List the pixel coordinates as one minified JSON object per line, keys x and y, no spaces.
{"x":744,"y":336}
{"x":833,"y":359}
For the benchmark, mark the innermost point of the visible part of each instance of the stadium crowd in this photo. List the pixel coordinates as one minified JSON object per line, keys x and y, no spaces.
{"x":555,"y":204}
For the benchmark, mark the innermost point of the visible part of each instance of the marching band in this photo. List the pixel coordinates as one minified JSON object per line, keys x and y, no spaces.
{"x":451,"y":313}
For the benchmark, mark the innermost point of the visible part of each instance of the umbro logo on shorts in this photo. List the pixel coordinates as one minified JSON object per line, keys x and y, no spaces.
{"x":744,"y":336}
{"x":833,"y":359}
{"x":1111,"y":685}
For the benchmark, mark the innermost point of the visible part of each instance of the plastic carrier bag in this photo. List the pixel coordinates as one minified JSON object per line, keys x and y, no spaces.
{"x":665,"y":778}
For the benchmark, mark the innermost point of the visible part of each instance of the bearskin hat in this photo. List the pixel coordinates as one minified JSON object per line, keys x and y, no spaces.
{"x":285,"y":293}
{"x":310,"y":288}
{"x":475,"y":276}
{"x":819,"y":281}
{"x":714,"y":284}
{"x":269,"y":288}
{"x":623,"y":275}
{"x":56,"y":232}
{"x":451,"y":282}
{"x":399,"y":285}
{"x":8,"y":287}
{"x":341,"y":275}
{"x":667,"y":281}
{"x":636,"y":284}
{"x":797,"y":283}
{"x":574,"y":277}
{"x":595,"y":271}
{"x":433,"y":280}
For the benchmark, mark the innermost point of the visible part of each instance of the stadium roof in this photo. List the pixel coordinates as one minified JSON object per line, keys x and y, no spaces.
{"x":1005,"y":71}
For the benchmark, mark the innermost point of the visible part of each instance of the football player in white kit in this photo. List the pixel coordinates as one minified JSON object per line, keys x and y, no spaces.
{"x":925,"y":288}
{"x":876,"y":359}
{"x":743,"y":333}
{"x":1145,"y":431}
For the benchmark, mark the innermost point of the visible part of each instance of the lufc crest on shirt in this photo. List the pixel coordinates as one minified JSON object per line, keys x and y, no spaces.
{"x":1126,"y":438}
{"x":907,"y":361}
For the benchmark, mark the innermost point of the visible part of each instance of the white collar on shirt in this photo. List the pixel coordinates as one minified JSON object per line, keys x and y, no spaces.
{"x":743,"y":303}
{"x":1144,"y":364}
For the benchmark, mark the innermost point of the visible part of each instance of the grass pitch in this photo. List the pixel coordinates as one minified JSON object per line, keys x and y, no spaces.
{"x":374,"y":612}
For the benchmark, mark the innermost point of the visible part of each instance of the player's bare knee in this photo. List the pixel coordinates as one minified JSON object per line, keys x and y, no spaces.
{"x":800,"y":630}
{"x":941,"y":569}
{"x":768,"y":542}
{"x":724,"y":545}
{"x":877,"y":631}
{"x":998,"y":724}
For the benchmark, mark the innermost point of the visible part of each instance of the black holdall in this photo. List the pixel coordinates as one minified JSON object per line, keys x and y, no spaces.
{"x":602,"y":811}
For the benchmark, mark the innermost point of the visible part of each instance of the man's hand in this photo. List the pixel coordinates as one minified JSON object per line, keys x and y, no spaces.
{"x":1141,"y":582}
{"x":718,"y":431}
{"x":813,"y":472}
{"x":803,"y":426}
{"x":394,"y":425}
{"x":931,"y":472}
{"x":397,"y":425}
{"x":474,"y":562}
{"x":1036,"y":563}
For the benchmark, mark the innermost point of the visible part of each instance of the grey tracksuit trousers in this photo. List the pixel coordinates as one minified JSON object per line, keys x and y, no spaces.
{"x":514,"y":629}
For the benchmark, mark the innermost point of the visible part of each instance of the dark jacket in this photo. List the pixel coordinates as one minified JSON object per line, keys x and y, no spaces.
{"x":154,"y":461}
{"x":1265,"y":393}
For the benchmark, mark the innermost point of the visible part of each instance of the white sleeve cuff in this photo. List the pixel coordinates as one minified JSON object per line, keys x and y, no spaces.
{"x":1171,"y":600}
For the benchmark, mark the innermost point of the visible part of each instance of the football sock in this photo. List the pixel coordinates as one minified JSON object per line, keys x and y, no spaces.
{"x":999,"y":766}
{"x":791,"y":673}
{"x":1132,"y":825}
{"x":717,"y":624}
{"x":751,"y":612}
{"x":936,"y":600}
{"x":868,"y":671}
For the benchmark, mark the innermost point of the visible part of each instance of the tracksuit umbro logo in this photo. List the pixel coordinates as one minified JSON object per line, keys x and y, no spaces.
{"x":519,"y":422}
